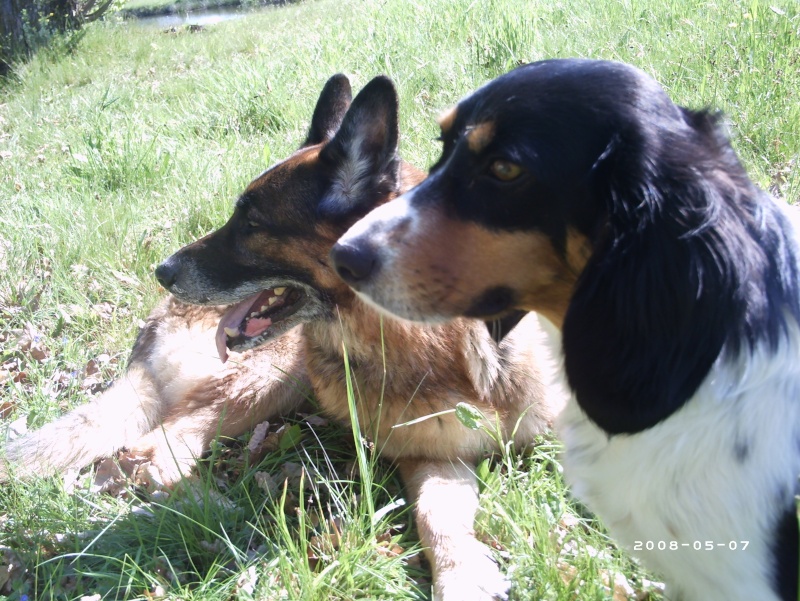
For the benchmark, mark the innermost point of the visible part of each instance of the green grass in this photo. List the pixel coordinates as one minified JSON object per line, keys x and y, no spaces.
{"x":138,"y":141}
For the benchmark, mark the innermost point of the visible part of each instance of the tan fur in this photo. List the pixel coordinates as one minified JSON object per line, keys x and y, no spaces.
{"x":447,"y":118}
{"x":480,"y":136}
{"x":174,"y":398}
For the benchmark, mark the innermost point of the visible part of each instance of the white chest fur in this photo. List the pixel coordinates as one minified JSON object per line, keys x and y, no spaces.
{"x":697,"y":496}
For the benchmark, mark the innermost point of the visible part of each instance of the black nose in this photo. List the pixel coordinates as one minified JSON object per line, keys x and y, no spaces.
{"x":167,"y":273}
{"x":354,"y":263}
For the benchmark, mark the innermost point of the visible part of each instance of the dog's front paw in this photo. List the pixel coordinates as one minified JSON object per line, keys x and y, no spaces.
{"x":156,"y":462}
{"x":476,"y":578}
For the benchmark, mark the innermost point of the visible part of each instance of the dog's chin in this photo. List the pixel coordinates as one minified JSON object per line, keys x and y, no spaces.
{"x":397,"y":308}
{"x":495,"y":302}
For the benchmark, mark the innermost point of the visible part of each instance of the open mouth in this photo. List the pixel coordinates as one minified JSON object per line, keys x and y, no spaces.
{"x":247,"y":324}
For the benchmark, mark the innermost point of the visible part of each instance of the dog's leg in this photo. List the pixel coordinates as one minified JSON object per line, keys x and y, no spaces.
{"x":446,"y":501}
{"x":204,"y":413}
{"x":115,"y":419}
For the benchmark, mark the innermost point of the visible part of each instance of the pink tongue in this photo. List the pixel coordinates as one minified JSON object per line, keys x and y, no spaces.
{"x":234,"y":316}
{"x":256,"y":325}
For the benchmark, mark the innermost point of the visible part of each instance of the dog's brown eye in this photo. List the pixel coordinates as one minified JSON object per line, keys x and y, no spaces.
{"x":505,"y":171}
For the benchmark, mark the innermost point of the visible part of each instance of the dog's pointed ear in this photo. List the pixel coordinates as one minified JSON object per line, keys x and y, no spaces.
{"x":334,"y":100}
{"x":363,"y":153}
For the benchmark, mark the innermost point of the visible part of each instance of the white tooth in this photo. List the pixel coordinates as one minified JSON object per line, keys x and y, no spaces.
{"x":264,"y":307}
{"x":232,"y":332}
{"x":272,"y":300}
{"x":254,"y":314}
{"x":279,"y":291}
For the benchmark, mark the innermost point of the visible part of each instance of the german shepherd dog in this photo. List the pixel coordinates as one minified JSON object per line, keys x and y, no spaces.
{"x":173,"y":400}
{"x":270,"y":262}
{"x":576,"y":188}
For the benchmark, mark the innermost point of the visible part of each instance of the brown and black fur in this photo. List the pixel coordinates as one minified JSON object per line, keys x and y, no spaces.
{"x":277,"y":243}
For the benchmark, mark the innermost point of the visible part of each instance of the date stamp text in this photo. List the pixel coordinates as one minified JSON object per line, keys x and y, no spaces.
{"x":698,"y":545}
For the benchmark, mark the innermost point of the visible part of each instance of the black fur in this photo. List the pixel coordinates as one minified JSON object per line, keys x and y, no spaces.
{"x":785,"y":550}
{"x":330,"y":110}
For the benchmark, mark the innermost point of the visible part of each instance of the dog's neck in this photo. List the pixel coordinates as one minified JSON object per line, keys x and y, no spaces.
{"x":374,"y":343}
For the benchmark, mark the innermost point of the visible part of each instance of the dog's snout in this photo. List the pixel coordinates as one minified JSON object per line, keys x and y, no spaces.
{"x":167,"y":273}
{"x":355,"y":262}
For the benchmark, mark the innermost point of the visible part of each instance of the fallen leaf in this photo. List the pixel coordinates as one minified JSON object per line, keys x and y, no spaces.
{"x":259,"y":434}
{"x":267,"y":483}
{"x":11,"y":566}
{"x":389,"y":549}
{"x":315,"y":420}
{"x":92,"y":368}
{"x":246,"y":582}
{"x":125,"y":279}
{"x":567,"y":572}
{"x":104,"y":311}
{"x":294,"y":473}
{"x":31,"y":343}
{"x":108,"y":478}
{"x":621,"y":590}
{"x":6,"y":407}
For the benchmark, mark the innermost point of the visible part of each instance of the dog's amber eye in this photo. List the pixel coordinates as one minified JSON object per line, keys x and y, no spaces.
{"x":505,"y":171}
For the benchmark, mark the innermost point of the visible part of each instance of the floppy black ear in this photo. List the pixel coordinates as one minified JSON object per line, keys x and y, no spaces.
{"x":679,"y":272}
{"x":363,"y":153}
{"x":330,"y":110}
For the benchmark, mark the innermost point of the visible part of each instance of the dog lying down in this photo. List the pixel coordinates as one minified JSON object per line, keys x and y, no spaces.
{"x":270,"y":261}
{"x":286,"y":306}
{"x":576,"y":188}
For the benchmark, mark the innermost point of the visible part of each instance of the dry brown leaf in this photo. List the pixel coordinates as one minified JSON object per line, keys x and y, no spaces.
{"x":104,"y":311}
{"x":389,"y":549}
{"x":108,"y":478}
{"x":267,"y":483}
{"x":567,"y":572}
{"x":293,"y":473}
{"x":92,"y":368}
{"x":92,"y":384}
{"x":259,"y":434}
{"x":315,"y":420}
{"x":31,"y":343}
{"x":6,"y":407}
